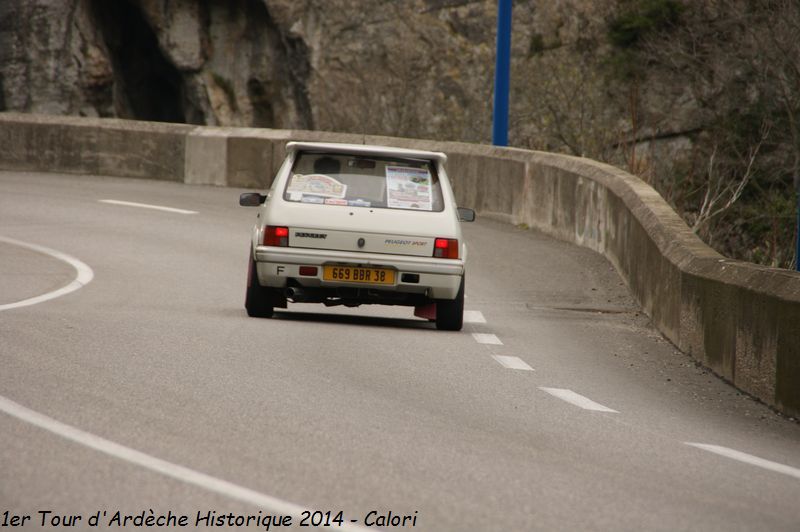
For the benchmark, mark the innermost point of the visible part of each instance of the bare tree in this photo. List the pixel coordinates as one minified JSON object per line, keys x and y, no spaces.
{"x":741,"y":63}
{"x":723,"y":191}
{"x":567,"y":105}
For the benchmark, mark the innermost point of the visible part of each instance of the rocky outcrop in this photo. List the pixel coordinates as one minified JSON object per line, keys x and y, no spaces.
{"x":421,"y":67}
{"x":52,"y":59}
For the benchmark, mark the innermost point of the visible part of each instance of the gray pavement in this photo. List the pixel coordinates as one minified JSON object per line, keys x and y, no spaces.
{"x":25,"y":273}
{"x":357,"y":409}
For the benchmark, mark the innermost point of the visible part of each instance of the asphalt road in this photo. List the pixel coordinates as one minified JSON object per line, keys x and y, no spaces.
{"x":150,"y":388}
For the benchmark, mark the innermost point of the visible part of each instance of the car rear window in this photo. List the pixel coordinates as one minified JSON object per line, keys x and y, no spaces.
{"x":363,"y":181}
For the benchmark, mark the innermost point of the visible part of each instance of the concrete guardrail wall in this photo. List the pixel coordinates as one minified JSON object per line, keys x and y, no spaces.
{"x":739,"y":319}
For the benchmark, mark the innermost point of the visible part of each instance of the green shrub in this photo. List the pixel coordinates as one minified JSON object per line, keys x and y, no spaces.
{"x":537,"y":44}
{"x":640,"y":17}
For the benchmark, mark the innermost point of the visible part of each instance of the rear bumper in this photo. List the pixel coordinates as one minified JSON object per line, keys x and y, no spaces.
{"x":438,"y":278}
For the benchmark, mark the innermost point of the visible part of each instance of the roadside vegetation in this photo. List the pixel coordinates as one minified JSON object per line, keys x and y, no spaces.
{"x":700,"y":99}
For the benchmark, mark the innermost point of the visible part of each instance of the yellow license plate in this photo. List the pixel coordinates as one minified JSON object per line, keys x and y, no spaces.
{"x":353,"y":274}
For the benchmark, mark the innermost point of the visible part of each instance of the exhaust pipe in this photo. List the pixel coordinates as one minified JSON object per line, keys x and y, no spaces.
{"x":295,"y":293}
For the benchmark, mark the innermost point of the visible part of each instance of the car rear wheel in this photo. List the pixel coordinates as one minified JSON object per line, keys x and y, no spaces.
{"x":450,"y":312}
{"x":258,"y":299}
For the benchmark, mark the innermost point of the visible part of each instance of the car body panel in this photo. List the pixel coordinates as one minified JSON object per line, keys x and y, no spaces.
{"x":360,"y":241}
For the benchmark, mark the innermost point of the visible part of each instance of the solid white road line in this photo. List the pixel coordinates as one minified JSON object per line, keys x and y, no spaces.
{"x":152,"y":463}
{"x":474,"y":316}
{"x":85,"y":274}
{"x":577,"y":399}
{"x":485,"y":338}
{"x":747,"y":458}
{"x":512,"y":362}
{"x":146,"y":206}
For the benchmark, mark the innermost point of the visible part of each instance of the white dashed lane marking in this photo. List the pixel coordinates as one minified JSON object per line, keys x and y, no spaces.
{"x":747,"y":458}
{"x":146,"y":206}
{"x":184,"y":474}
{"x":512,"y":362}
{"x":474,"y":316}
{"x":487,"y":338}
{"x":577,"y":399}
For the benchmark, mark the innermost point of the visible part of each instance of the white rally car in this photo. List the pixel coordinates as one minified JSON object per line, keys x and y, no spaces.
{"x":348,"y":224}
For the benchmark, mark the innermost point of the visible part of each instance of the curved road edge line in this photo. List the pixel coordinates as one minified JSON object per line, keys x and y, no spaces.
{"x":177,"y":472}
{"x":84,"y":277}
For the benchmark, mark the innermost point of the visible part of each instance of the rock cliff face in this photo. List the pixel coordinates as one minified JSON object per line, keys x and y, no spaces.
{"x":51,"y":58}
{"x":203,"y":62}
{"x":413,"y":67}
{"x":420,"y":68}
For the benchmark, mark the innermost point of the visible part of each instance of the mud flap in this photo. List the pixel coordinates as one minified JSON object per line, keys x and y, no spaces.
{"x":426,"y":311}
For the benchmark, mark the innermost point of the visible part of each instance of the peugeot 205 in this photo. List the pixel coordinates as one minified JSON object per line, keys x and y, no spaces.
{"x":350,"y":225}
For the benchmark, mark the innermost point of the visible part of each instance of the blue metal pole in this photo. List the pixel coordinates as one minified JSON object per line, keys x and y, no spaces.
{"x":501,"y":74}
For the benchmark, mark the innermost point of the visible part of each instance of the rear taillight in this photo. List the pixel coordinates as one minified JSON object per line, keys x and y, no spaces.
{"x":276,"y":236}
{"x":445,"y":248}
{"x":308,"y":271}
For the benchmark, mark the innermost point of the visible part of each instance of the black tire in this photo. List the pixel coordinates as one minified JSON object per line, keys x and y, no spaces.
{"x":450,"y":312}
{"x":257,"y":299}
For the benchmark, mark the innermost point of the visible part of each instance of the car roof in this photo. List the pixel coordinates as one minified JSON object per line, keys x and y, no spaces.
{"x":366,"y":149}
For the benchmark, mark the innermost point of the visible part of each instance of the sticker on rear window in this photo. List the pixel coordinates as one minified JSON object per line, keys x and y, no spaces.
{"x":408,"y":188}
{"x":335,"y":201}
{"x":310,"y":199}
{"x":316,"y":184}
